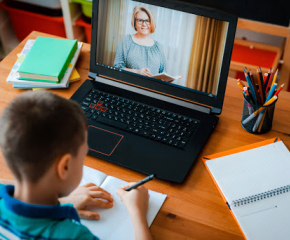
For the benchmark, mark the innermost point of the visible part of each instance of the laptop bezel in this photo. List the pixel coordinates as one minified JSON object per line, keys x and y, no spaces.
{"x":213,"y":101}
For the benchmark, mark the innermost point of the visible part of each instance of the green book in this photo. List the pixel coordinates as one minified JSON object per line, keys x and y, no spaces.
{"x":47,"y":59}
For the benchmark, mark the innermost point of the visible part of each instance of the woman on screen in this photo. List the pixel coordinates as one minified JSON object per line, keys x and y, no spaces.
{"x":138,"y":53}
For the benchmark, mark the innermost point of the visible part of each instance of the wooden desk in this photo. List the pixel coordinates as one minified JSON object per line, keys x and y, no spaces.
{"x":194,"y":209}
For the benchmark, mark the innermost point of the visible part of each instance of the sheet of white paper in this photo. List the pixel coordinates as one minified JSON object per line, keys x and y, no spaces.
{"x":93,"y":176}
{"x":117,"y":217}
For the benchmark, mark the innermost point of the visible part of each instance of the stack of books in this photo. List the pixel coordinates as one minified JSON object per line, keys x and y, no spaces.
{"x":46,"y":63}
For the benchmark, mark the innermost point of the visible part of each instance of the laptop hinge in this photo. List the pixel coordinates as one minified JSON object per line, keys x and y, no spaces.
{"x":153,"y":94}
{"x":216,"y":110}
{"x":92,"y":75}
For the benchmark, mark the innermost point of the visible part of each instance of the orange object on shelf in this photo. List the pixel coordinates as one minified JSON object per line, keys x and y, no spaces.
{"x":87,"y":27}
{"x":253,"y":56}
{"x":24,"y":22}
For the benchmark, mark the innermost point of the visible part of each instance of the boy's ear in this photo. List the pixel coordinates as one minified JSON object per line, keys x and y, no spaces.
{"x":63,"y":166}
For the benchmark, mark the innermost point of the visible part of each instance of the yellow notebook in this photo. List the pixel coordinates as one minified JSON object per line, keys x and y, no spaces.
{"x":75,"y":76}
{"x":254,"y":181}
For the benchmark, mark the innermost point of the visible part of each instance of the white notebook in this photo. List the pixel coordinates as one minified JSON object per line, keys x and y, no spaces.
{"x":115,"y":223}
{"x":256,"y":186}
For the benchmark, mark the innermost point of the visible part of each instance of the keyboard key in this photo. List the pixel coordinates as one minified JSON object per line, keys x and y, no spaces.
{"x":158,"y":138}
{"x":85,"y":103}
{"x":129,"y":128}
{"x":144,"y":133}
{"x":88,"y":115}
{"x":111,"y":122}
{"x":164,"y":140}
{"x":136,"y":130}
{"x":85,"y":108}
{"x":182,"y":144}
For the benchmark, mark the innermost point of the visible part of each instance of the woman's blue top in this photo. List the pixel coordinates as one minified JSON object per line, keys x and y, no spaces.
{"x":132,"y":55}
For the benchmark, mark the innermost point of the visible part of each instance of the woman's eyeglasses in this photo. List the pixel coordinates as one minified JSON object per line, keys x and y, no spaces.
{"x":141,"y":21}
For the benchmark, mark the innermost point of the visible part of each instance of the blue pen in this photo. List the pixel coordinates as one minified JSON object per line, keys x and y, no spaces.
{"x":272,"y":91}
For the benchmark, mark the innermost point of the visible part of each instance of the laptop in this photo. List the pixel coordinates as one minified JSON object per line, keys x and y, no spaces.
{"x":158,"y":73}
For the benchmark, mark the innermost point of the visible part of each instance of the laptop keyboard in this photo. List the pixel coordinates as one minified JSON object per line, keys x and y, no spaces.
{"x":138,"y":118}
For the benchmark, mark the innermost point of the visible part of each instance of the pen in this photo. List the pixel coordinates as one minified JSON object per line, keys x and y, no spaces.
{"x":145,"y":180}
{"x":272,"y":91}
{"x":265,"y":78}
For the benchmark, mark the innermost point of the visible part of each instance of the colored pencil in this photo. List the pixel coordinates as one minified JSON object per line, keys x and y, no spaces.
{"x":251,"y":87}
{"x":256,"y":89}
{"x":269,"y":81}
{"x":261,"y":87}
{"x":275,"y":77}
{"x":280,"y":88}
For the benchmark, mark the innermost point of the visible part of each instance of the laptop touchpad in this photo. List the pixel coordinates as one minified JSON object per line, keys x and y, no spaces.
{"x":103,"y":141}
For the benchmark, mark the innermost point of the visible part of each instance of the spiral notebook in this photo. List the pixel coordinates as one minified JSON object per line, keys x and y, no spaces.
{"x":254,"y":181}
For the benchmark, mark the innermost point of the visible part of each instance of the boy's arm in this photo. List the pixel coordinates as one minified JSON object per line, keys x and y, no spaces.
{"x":81,"y":197}
{"x":136,"y":202}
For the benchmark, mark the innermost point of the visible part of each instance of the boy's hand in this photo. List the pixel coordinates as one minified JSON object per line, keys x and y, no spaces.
{"x":135,"y":200}
{"x":88,"y":195}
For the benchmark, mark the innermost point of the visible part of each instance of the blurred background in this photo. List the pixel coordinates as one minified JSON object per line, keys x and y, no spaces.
{"x":260,"y":41}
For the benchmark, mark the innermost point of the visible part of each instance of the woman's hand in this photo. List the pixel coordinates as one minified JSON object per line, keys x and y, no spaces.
{"x":88,"y":195}
{"x":145,"y":72}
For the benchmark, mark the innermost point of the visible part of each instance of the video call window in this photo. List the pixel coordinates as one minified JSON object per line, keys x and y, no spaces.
{"x":151,"y":40}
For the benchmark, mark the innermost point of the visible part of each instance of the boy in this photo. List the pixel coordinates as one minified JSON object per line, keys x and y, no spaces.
{"x":43,"y":139}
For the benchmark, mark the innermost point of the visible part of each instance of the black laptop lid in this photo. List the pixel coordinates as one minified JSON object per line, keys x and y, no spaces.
{"x":191,"y":42}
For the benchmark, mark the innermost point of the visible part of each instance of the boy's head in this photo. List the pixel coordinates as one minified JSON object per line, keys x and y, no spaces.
{"x":37,"y":129}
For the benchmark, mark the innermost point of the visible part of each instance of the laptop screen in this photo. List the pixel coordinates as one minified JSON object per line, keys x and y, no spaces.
{"x":176,"y":49}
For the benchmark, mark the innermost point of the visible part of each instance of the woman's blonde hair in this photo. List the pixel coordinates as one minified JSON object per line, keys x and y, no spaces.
{"x":140,"y":8}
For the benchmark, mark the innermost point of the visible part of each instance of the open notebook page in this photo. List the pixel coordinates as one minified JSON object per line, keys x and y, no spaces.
{"x":251,"y":172}
{"x":115,"y":223}
{"x":265,"y":219}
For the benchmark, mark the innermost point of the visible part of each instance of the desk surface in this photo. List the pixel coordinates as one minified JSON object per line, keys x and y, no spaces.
{"x":193,"y":209}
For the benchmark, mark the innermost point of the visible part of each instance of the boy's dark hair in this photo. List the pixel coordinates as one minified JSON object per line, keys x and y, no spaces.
{"x":36,"y":129}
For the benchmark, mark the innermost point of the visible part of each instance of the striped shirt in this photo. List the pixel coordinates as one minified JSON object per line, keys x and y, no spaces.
{"x":20,"y":220}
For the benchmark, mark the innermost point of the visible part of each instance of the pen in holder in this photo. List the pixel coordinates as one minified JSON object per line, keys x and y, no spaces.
{"x":258,"y":119}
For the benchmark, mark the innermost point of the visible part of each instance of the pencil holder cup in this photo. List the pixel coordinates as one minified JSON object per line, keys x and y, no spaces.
{"x":257,"y":119}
